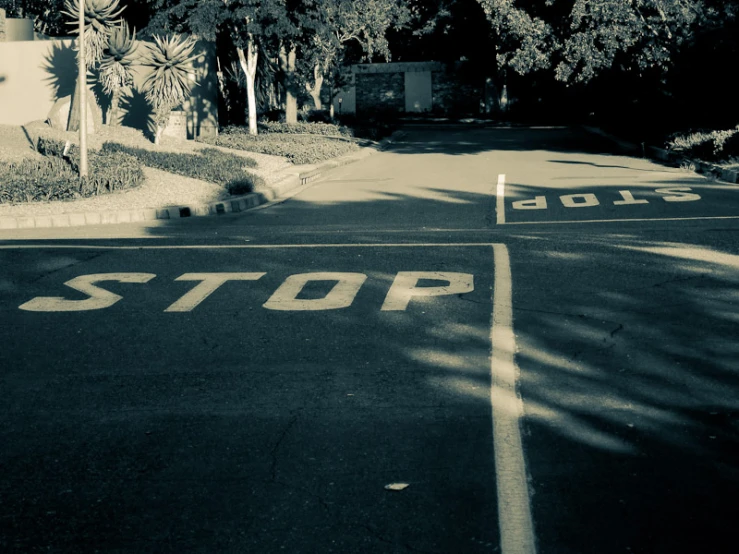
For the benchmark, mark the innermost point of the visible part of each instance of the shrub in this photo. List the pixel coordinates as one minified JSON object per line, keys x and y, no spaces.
{"x":54,"y":178}
{"x":111,"y":171}
{"x":708,"y":146}
{"x":108,"y":171}
{"x":38,"y":180}
{"x":299,"y":149}
{"x":208,"y":164}
{"x":326,"y":129}
{"x":731,"y":147}
{"x":316,"y":116}
{"x":49,"y":146}
{"x":57,"y":179}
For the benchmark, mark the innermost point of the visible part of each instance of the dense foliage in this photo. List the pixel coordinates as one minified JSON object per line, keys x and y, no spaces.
{"x":209,"y":164}
{"x":56,"y":178}
{"x":298,"y":148}
{"x":305,"y":128}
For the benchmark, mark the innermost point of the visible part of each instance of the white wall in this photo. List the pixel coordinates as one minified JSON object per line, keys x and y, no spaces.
{"x":28,"y":89}
{"x":18,"y":29}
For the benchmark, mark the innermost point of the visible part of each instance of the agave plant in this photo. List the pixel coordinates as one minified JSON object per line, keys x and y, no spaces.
{"x":168,"y":85}
{"x":115,"y":68}
{"x":101,"y":16}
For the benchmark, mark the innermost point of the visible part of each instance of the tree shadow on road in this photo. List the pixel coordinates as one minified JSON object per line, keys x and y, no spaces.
{"x":468,"y":140}
{"x":626,"y":344}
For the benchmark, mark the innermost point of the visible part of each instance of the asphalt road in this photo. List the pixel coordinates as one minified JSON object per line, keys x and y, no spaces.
{"x":505,"y":340}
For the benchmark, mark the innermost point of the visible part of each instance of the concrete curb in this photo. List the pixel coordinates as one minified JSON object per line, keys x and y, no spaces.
{"x":660,"y":154}
{"x":293,"y":179}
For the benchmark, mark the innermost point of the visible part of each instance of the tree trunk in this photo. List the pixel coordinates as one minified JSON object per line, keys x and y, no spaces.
{"x":114,"y":103}
{"x":315,"y":90}
{"x":248,"y":62}
{"x":287,"y":60}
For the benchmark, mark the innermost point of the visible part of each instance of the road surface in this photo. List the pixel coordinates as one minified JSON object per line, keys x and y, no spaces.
{"x":485,"y":339}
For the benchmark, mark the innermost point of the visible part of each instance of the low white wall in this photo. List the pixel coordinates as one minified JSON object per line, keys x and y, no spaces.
{"x":35,"y":74}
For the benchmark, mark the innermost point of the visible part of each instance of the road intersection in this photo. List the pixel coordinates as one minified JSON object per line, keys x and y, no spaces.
{"x":481,"y":340}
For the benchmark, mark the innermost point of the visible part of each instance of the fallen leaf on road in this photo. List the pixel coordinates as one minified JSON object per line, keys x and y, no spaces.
{"x":396,"y":486}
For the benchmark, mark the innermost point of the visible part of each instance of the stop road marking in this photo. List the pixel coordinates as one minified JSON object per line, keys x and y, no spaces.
{"x":587,"y":200}
{"x":286,"y":298}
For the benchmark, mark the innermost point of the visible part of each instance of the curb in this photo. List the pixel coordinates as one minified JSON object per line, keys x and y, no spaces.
{"x":660,"y":154}
{"x":236,"y":204}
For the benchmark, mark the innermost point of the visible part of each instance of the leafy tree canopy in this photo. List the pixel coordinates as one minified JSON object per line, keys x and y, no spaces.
{"x":581,"y":38}
{"x":47,"y":14}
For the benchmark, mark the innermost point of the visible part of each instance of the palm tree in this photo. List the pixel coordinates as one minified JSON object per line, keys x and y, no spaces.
{"x":101,"y":16}
{"x":115,"y":69}
{"x":169,"y":84}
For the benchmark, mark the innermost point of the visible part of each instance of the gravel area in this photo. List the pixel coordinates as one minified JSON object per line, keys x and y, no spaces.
{"x":160,"y":190}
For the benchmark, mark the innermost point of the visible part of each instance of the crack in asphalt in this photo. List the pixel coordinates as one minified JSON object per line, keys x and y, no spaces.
{"x":276,"y":447}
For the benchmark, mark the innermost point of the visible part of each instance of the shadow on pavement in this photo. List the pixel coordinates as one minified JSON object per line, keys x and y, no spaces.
{"x":627,"y":348}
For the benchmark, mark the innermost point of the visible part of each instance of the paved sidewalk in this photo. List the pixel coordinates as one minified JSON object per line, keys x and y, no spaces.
{"x":290,"y":179}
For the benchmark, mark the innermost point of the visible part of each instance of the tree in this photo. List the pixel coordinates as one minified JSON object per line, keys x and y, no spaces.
{"x":101,"y":16}
{"x":46,"y":14}
{"x":338,"y":22}
{"x":168,"y":85}
{"x":248,"y":23}
{"x":115,"y":67}
{"x":581,"y":38}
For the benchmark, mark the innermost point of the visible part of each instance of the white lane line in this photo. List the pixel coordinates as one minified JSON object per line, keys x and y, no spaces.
{"x":514,"y":510}
{"x":500,"y":200}
{"x":633,"y":220}
{"x":235,"y":246}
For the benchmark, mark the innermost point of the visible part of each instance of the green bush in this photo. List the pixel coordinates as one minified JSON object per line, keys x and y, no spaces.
{"x":111,"y":171}
{"x":731,"y":147}
{"x":108,"y":171}
{"x":52,"y":146}
{"x":706,"y":145}
{"x":208,"y":164}
{"x":302,"y":128}
{"x":299,"y":149}
{"x":37,"y":181}
{"x":54,"y":178}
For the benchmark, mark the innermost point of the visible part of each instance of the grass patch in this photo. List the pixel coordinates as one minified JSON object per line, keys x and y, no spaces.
{"x":208,"y":164}
{"x":297,"y":147}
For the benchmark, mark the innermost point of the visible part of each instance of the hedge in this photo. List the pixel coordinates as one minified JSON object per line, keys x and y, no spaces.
{"x":299,"y":149}
{"x":55,"y":178}
{"x":208,"y":164}
{"x":301,"y":128}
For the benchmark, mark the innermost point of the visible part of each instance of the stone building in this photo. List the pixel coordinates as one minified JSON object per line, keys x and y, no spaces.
{"x":408,"y":88}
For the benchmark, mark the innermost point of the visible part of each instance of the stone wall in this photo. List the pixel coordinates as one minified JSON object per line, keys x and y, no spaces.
{"x":413,"y":87}
{"x":453,"y":94}
{"x":380,"y":92}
